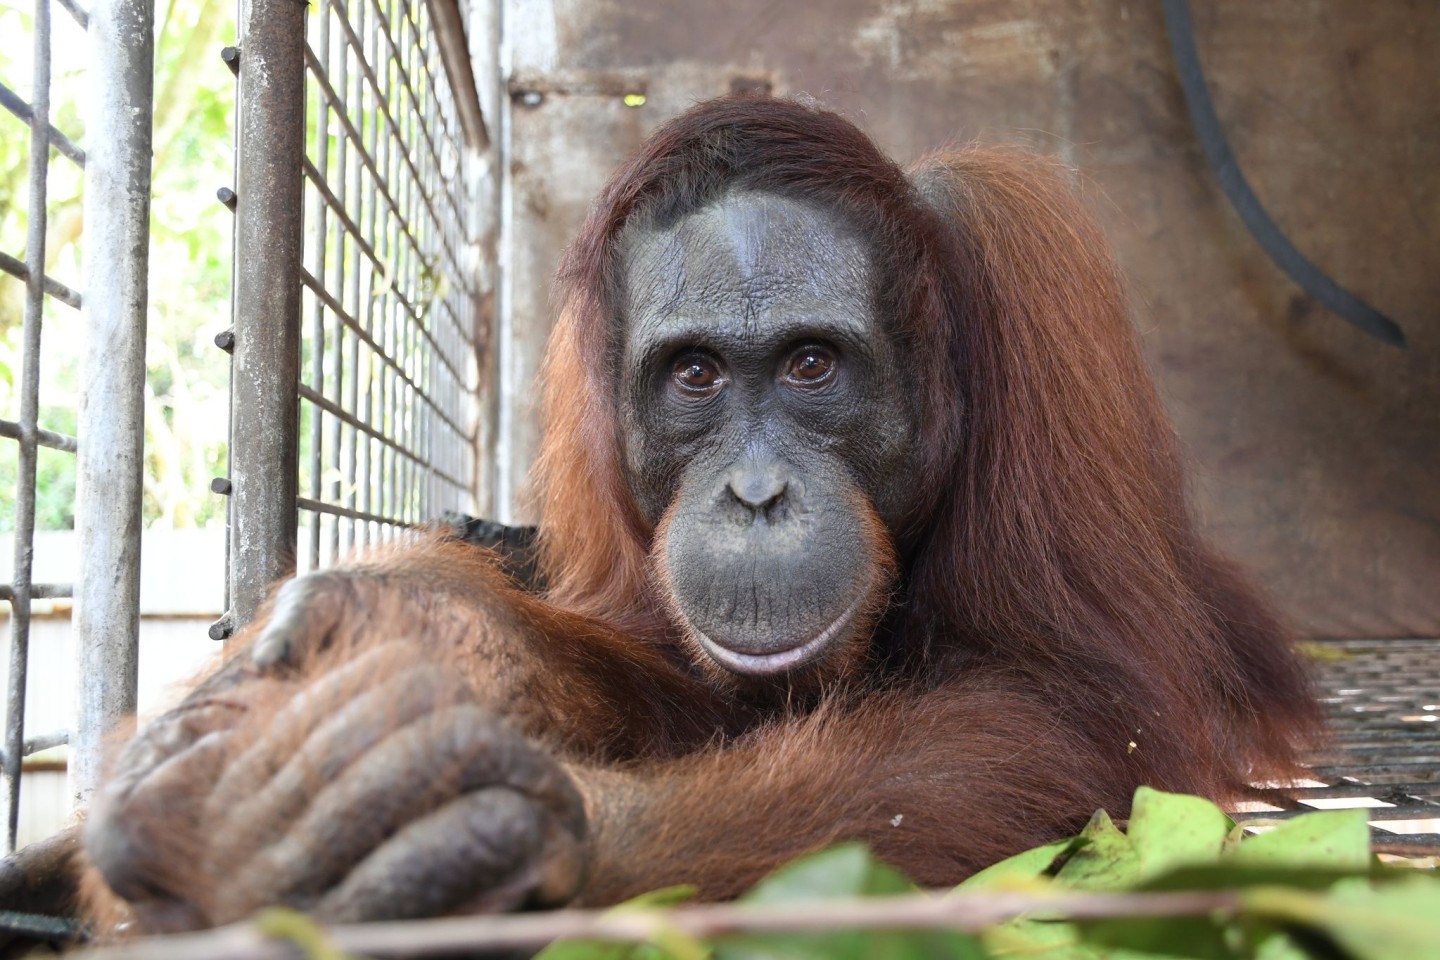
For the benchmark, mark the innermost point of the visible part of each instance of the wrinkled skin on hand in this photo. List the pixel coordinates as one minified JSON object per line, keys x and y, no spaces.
{"x":353,"y":787}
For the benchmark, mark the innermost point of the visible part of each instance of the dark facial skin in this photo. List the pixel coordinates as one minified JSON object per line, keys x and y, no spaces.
{"x":768,"y":426}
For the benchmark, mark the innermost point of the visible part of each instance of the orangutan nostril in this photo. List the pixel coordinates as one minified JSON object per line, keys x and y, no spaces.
{"x":759,"y":488}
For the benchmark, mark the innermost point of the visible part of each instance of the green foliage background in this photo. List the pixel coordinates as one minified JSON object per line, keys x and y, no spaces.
{"x":186,"y":389}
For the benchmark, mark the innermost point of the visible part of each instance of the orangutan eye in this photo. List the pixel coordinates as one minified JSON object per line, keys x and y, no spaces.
{"x":696,"y":373}
{"x":810,"y":367}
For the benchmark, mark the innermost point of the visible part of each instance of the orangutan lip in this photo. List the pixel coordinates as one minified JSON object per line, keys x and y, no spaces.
{"x":765,"y":664}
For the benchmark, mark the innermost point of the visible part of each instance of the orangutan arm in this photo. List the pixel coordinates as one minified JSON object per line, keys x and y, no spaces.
{"x":386,"y":745}
{"x":938,"y":784}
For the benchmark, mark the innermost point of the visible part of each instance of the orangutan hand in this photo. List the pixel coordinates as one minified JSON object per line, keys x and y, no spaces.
{"x":365,"y":786}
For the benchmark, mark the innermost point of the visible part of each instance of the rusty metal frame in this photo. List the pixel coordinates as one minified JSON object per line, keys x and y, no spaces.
{"x":356,"y":306}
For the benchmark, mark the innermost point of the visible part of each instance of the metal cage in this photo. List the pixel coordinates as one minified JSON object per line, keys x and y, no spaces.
{"x":110,"y":418}
{"x":365,"y":205}
{"x":358,"y":330}
{"x":363,"y":221}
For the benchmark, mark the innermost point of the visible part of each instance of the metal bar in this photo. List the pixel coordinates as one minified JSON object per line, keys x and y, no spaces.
{"x":384,"y":184}
{"x":390,"y":379}
{"x":1380,"y":814}
{"x":455,"y":57}
{"x":483,"y":220}
{"x":45,"y":741}
{"x":386,"y":356}
{"x":320,"y":506}
{"x":44,"y":438}
{"x":268,"y":251}
{"x":1369,"y":768}
{"x":426,"y":45}
{"x":39,"y":591}
{"x":13,"y":102}
{"x":53,"y":287}
{"x":390,"y":443}
{"x":29,"y":411}
{"x":337,"y":206}
{"x":78,"y":12}
{"x":348,"y":263}
{"x":384,"y":111}
{"x":1348,"y":790}
{"x":320,"y":240}
{"x":110,"y":462}
{"x":351,"y":399}
{"x":508,"y":392}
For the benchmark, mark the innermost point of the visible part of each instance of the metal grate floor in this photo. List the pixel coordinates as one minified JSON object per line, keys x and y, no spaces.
{"x":1382,"y":700}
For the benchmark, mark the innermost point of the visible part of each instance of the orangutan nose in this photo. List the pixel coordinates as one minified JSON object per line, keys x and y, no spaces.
{"x":760,"y":487}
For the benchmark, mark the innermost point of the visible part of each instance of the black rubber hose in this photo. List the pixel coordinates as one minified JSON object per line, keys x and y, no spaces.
{"x":1311,"y":278}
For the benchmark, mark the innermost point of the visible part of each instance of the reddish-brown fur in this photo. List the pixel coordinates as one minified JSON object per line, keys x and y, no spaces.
{"x":1058,"y":633}
{"x":1067,"y":634}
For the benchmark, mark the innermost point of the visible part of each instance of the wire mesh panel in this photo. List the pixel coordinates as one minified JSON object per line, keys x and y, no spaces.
{"x":388,"y":369}
{"x":383,"y":324}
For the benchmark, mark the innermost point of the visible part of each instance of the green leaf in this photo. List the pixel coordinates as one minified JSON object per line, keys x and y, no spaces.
{"x":1193,"y":938}
{"x":1106,"y":861}
{"x":852,"y":945}
{"x":1398,"y":921}
{"x":1023,"y":868}
{"x":308,"y":937}
{"x":1228,"y":875}
{"x":1169,"y":830}
{"x":1337,"y":839}
{"x":1050,"y":940}
{"x":664,"y":897}
{"x":846,"y":870}
{"x":1266,"y":941}
{"x":607,"y":950}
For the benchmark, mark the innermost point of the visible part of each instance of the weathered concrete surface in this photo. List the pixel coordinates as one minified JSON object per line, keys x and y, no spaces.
{"x":1315,"y":451}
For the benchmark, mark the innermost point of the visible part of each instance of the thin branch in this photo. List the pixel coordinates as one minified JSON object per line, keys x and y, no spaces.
{"x":431,"y":938}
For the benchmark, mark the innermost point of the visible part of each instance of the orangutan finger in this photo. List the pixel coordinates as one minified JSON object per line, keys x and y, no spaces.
{"x":165,"y":737}
{"x":304,"y":615}
{"x":435,"y":759}
{"x":307,"y":709}
{"x":142,"y":838}
{"x":263,"y":812}
{"x":479,"y":851}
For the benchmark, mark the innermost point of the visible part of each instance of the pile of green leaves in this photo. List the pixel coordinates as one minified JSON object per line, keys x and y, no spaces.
{"x":1308,"y":888}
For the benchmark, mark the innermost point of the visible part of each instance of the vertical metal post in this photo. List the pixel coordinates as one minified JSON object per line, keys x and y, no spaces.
{"x":265,"y":421}
{"x":486,"y":173}
{"x":29,"y":413}
{"x":110,"y":459}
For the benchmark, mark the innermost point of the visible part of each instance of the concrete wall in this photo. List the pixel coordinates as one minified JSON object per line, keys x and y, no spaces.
{"x":1315,"y":450}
